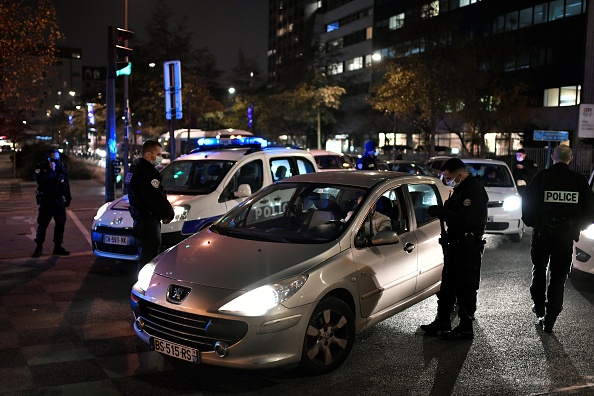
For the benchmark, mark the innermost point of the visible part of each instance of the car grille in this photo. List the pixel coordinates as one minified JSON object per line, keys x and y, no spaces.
{"x":496,"y":226}
{"x":195,"y":331}
{"x":495,"y":204}
{"x":117,"y":249}
{"x":114,"y":230}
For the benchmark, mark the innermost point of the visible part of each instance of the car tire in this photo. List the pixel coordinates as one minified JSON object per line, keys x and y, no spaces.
{"x":329,"y":337}
{"x":518,"y":236}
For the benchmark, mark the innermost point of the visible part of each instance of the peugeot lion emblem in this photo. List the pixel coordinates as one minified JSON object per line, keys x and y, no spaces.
{"x":176,"y":294}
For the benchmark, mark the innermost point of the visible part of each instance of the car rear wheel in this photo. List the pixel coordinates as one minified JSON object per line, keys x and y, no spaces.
{"x":329,"y":337}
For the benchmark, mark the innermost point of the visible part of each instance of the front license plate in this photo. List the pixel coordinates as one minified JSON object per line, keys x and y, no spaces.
{"x":489,"y":219}
{"x":115,"y":239}
{"x":175,"y":350}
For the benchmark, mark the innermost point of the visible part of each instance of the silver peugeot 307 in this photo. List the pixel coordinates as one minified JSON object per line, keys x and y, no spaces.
{"x":292,"y":273}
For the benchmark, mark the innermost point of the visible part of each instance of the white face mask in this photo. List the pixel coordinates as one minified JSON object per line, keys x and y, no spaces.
{"x":519,"y":157}
{"x":157,"y":161}
{"x":452,"y":181}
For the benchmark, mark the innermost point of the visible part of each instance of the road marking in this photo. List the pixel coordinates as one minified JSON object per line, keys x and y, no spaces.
{"x":80,"y":226}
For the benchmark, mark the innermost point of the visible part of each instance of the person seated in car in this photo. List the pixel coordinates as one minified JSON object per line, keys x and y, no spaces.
{"x":379,"y":221}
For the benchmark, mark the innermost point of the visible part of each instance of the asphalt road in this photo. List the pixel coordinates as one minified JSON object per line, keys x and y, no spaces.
{"x":66,"y":328}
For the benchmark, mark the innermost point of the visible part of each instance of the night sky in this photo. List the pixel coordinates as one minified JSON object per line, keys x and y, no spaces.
{"x":225,"y":26}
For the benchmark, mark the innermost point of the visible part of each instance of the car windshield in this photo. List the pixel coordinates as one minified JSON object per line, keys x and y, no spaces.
{"x":293,"y":213}
{"x":491,"y":175}
{"x":194,"y":177}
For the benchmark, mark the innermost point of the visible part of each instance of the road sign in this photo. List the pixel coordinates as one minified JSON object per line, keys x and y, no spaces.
{"x":586,"y":121}
{"x":172,"y":83}
{"x":551,"y":136}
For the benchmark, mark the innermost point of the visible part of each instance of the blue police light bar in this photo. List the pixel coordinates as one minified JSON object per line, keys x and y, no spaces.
{"x":235,"y":141}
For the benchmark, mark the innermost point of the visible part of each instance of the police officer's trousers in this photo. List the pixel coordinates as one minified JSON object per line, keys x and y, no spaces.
{"x":48,"y":209}
{"x":551,"y":248}
{"x":460,"y":281}
{"x":147,"y":232}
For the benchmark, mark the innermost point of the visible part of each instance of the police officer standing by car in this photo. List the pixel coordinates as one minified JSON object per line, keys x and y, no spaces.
{"x":465,"y":214}
{"x":53,"y":197}
{"x":558,"y":204}
{"x":369,"y":160}
{"x":148,"y":202}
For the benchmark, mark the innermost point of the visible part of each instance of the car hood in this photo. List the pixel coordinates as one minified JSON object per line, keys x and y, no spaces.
{"x":122,"y":203}
{"x":500,"y":193}
{"x":211,"y":259}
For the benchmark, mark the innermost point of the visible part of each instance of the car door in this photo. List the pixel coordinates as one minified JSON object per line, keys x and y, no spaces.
{"x":427,"y":231}
{"x":387,"y":273}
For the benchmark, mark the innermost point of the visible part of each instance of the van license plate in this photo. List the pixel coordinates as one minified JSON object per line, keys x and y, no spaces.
{"x":171,"y":349}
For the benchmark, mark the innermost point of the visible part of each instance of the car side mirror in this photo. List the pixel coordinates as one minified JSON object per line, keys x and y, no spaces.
{"x":385,"y":238}
{"x":243,"y":191}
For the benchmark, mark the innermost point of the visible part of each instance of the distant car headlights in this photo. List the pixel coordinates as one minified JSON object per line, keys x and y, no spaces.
{"x":145,"y":275}
{"x":101,"y":210}
{"x":512,"y":203}
{"x":181,"y":212}
{"x":258,"y":301}
{"x":589,"y":232}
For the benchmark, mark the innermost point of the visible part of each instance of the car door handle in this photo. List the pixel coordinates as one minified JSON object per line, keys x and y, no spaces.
{"x":409,"y":247}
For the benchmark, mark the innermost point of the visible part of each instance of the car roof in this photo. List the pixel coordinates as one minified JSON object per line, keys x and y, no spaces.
{"x":365,"y":179}
{"x":324,"y":152}
{"x":482,"y":161}
{"x":235,"y":154}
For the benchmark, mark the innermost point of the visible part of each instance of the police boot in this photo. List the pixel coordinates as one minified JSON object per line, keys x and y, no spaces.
{"x":38,"y":251}
{"x":461,"y":332}
{"x":437,"y":327}
{"x":60,"y":251}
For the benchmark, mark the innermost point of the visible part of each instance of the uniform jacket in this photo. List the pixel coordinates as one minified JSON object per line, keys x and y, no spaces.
{"x":466,"y":209}
{"x":52,"y":184}
{"x":558,"y":192}
{"x":527,"y":173}
{"x":146,"y":194}
{"x":367,"y":162}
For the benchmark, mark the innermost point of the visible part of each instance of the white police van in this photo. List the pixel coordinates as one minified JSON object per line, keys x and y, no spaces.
{"x":201,"y":187}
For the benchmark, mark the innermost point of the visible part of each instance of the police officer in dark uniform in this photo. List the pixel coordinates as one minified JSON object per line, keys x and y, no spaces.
{"x":148,"y":202}
{"x":369,"y":160}
{"x":53,"y":197}
{"x":558,"y":204}
{"x":524,"y":170}
{"x":465,"y":214}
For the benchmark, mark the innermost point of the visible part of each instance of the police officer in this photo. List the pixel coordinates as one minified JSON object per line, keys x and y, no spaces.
{"x":369,"y":160}
{"x":524,"y":170}
{"x":53,"y":197}
{"x":148,"y":202}
{"x":558,"y":204}
{"x":465,"y":214}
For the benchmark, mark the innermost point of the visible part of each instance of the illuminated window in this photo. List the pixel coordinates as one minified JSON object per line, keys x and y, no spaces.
{"x":396,"y":22}
{"x":431,"y":9}
{"x":564,"y":96}
{"x":555,"y":10}
{"x":540,"y":13}
{"x":336,"y":68}
{"x":573,"y":7}
{"x":551,"y":97}
{"x":369,"y":33}
{"x":332,"y":26}
{"x":354,"y":64}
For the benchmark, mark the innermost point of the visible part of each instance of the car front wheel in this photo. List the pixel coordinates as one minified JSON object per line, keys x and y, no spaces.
{"x":329,"y":337}
{"x":518,"y":236}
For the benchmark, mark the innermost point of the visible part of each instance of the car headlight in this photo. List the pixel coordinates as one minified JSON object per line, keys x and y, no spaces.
{"x":258,"y":301}
{"x":589,"y":232}
{"x":145,"y":275}
{"x":512,"y":203}
{"x":180,"y":213}
{"x":101,"y":210}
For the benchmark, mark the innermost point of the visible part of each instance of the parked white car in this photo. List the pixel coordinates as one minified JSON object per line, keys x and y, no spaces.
{"x":583,"y":250}
{"x":200,"y":186}
{"x":504,"y":215}
{"x":284,"y":279}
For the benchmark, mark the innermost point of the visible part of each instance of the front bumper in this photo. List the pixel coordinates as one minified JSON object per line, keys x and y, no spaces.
{"x":501,"y":222}
{"x":129,"y":251}
{"x":262,"y":342}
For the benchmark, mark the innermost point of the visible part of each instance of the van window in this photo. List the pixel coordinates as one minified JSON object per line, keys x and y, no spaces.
{"x":280,"y":168}
{"x":251,"y":173}
{"x":304,"y":166}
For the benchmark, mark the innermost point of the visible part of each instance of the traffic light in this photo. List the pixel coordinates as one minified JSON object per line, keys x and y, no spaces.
{"x":117,"y":36}
{"x":117,"y":172}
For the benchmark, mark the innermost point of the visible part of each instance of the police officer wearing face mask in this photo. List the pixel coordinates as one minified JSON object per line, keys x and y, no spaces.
{"x":558,"y":204}
{"x":524,"y":170}
{"x":53,"y":197}
{"x":148,"y":202}
{"x":465,"y":215}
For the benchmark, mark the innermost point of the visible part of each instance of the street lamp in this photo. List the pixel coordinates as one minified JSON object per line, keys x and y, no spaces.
{"x":231,"y":90}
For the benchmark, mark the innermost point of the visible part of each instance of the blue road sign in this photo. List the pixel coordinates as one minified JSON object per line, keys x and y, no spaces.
{"x":551,"y":136}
